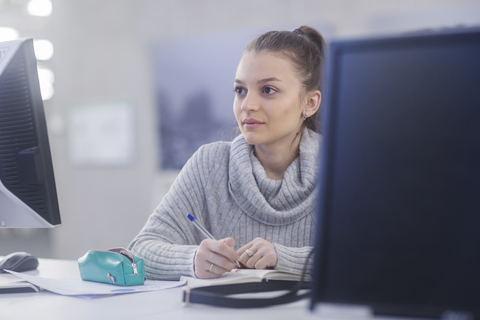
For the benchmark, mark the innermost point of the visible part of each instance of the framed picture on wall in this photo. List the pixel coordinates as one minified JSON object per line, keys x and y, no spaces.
{"x":101,"y":134}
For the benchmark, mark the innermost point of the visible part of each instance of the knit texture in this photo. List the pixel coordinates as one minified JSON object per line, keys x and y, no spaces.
{"x":225,"y":187}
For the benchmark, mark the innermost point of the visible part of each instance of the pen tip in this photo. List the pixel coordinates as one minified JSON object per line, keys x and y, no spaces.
{"x":190,"y":217}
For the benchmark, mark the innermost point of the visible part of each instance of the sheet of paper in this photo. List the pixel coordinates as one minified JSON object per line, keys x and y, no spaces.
{"x":78,"y":287}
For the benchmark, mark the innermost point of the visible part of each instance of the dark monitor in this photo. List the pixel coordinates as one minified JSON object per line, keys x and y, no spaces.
{"x":399,"y":202}
{"x":28,"y":197}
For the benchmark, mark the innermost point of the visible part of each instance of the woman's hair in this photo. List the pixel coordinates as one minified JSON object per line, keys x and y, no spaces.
{"x":305,"y":48}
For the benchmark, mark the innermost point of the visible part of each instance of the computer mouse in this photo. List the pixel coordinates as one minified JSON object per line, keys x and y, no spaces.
{"x":18,"y":261}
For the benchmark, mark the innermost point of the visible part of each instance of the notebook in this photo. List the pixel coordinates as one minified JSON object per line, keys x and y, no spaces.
{"x":243,"y":276}
{"x":16,"y":286}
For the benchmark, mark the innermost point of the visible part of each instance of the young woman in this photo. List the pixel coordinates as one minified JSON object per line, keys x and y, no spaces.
{"x":258,"y":192}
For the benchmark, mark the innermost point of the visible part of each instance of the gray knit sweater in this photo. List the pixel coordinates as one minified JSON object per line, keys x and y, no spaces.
{"x":226,"y":189}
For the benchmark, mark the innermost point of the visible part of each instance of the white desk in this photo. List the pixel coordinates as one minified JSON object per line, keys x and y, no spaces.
{"x":164,"y":304}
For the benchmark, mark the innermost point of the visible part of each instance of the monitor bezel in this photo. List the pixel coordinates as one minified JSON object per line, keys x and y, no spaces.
{"x":329,"y":118}
{"x":26,"y":217}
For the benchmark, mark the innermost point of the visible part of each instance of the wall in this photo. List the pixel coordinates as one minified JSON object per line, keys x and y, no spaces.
{"x":102,"y":53}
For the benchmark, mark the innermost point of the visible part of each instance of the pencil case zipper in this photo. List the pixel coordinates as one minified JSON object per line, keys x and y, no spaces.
{"x":126,"y":253}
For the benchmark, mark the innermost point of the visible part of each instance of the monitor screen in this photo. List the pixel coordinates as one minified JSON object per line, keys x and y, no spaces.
{"x":28,"y":197}
{"x":399,"y":206}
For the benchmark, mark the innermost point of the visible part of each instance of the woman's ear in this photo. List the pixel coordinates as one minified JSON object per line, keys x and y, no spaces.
{"x":313,"y":102}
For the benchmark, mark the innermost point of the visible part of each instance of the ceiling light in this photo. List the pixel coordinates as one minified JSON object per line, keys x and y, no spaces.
{"x":46,"y":78}
{"x":40,"y":8}
{"x":47,"y":91}
{"x":45,"y":74}
{"x":43,"y":49}
{"x":7,"y":34}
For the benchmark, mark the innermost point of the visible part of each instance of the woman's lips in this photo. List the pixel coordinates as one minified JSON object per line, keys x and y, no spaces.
{"x":251,"y":123}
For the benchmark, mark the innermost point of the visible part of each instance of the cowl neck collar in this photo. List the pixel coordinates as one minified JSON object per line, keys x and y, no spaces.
{"x":275,"y":202}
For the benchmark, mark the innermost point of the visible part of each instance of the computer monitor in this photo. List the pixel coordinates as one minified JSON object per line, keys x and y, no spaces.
{"x":28,"y":197}
{"x":399,"y":202}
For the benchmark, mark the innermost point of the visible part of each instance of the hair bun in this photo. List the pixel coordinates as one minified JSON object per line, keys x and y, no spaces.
{"x":299,"y":31}
{"x":314,"y":36}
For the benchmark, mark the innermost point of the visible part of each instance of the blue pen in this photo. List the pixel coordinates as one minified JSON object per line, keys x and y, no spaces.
{"x":205,"y":232}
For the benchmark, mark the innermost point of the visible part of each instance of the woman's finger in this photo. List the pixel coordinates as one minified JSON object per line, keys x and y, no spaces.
{"x":254,"y":255}
{"x":210,"y":260}
{"x":245,"y":247}
{"x":229,"y":242}
{"x":220,"y":260}
{"x":268,"y":260}
{"x":258,"y":254}
{"x":222,"y":248}
{"x":245,"y":254}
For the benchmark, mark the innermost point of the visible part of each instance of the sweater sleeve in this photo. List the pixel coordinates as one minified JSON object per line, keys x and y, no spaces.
{"x":168,"y":241}
{"x":293,"y":259}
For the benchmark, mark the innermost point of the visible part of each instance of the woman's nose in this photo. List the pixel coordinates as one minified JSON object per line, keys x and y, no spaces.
{"x":250,"y":103}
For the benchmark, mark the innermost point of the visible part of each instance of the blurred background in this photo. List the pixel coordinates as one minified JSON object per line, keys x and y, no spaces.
{"x":132,"y":88}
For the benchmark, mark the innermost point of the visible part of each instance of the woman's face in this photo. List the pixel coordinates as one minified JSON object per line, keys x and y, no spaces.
{"x":267,"y":102}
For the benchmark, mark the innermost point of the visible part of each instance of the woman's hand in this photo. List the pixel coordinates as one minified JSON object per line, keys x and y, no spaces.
{"x":215,"y":257}
{"x":258,"y":254}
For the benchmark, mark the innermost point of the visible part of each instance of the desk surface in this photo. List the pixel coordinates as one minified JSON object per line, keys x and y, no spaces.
{"x":164,"y":304}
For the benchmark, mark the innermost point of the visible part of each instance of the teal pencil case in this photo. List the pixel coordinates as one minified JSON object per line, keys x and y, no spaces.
{"x":115,"y":266}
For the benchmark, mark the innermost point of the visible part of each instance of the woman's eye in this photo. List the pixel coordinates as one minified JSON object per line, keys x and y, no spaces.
{"x":269,"y":90}
{"x":239,"y":90}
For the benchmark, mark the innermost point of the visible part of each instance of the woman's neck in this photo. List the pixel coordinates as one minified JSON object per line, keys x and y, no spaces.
{"x":276,"y":158}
